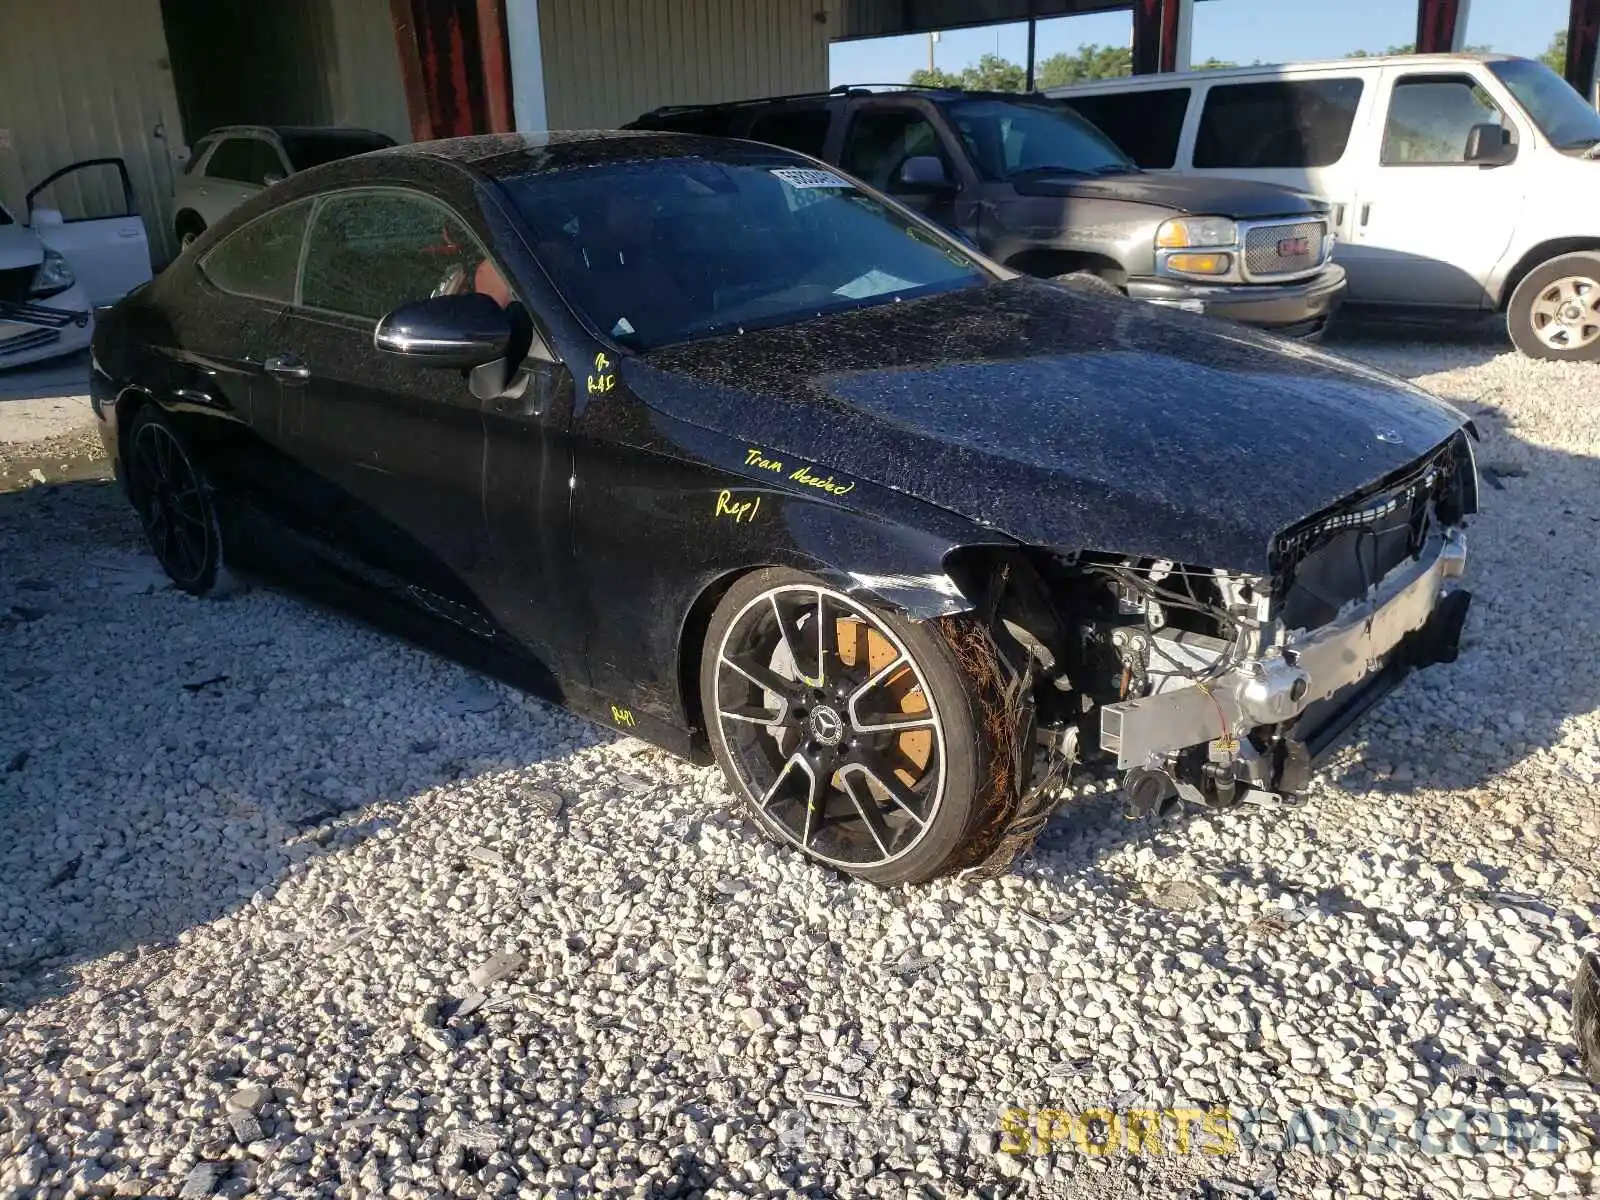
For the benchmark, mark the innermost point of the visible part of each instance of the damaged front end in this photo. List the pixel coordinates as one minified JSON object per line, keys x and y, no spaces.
{"x":1203,"y":684}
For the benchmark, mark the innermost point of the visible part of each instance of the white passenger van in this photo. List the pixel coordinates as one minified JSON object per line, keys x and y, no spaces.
{"x":1457,"y":181}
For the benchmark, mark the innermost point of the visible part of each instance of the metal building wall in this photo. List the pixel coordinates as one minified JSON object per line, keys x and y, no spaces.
{"x":607,"y":61}
{"x":366,"y":85}
{"x":87,"y":79}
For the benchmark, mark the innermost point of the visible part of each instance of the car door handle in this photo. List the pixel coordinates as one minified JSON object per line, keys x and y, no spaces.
{"x":287,"y":367}
{"x":1366,"y":214}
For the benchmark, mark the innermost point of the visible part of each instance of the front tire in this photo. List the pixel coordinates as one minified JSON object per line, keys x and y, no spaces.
{"x":1088,"y":281}
{"x":857,"y":737}
{"x":173,"y":499}
{"x":1554,"y":312}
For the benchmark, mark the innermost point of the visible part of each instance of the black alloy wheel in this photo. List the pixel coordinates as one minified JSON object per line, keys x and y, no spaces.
{"x":174,"y":504}
{"x":849,"y":732}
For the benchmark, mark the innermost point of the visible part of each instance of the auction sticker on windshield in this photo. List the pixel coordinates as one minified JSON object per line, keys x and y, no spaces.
{"x":809,"y":177}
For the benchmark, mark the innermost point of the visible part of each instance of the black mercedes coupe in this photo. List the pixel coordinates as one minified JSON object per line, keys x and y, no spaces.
{"x":720,"y":447}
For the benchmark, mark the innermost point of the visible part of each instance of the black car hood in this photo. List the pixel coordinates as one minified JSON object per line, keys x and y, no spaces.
{"x":1059,"y":417}
{"x":1197,"y":194}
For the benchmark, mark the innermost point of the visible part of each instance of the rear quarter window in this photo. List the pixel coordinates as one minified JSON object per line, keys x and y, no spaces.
{"x":713,"y":122}
{"x":1287,"y":123}
{"x":1145,"y":124}
{"x":802,"y":129}
{"x":261,"y":259}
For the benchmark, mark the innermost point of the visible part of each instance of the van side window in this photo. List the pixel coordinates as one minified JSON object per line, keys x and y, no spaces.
{"x":802,"y":129}
{"x":1303,"y":123}
{"x":1430,"y":117}
{"x":1145,"y":124}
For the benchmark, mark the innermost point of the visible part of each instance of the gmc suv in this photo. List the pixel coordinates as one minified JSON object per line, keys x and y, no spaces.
{"x":1037,"y":187}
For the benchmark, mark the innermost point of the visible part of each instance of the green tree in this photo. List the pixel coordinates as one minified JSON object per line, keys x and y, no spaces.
{"x":991,"y":73}
{"x":994,"y":74}
{"x":1556,"y":56}
{"x":1213,"y":64}
{"x":1411,"y":48}
{"x":1090,"y":62}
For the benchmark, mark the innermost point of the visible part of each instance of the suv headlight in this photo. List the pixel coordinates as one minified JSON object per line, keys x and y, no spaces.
{"x":54,"y":275}
{"x":1185,"y":233}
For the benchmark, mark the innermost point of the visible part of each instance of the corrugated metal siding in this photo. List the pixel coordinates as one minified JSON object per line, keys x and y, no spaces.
{"x":366,"y":84}
{"x":88,"y":79}
{"x":607,"y":61}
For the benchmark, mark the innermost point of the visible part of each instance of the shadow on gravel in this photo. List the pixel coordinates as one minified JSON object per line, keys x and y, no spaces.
{"x":86,"y":821}
{"x":1455,"y":343}
{"x":1537,"y":505}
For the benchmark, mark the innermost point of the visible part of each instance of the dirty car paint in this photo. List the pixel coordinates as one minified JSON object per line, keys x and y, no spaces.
{"x":574,"y":535}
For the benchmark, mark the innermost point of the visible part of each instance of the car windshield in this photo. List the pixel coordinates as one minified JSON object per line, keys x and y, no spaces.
{"x":658,"y":251}
{"x":312,"y":149}
{"x":1010,"y":138}
{"x":1552,"y":102}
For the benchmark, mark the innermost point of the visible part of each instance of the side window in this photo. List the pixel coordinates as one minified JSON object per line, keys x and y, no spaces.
{"x":197,"y":154}
{"x":369,"y":252}
{"x":260,"y":260}
{"x":1430,"y":117}
{"x":881,"y":139}
{"x":233,"y":159}
{"x":266,"y":163}
{"x":1304,"y":123}
{"x":802,"y":129}
{"x":1146,"y":124}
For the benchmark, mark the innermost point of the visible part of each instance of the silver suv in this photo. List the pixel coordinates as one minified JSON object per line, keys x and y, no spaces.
{"x":1037,"y":187}
{"x":234,"y":162}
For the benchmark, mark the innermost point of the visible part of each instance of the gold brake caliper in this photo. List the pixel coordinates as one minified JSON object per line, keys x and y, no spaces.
{"x":857,"y":638}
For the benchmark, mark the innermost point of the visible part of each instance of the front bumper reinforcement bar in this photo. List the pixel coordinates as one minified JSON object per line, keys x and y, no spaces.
{"x":1306,"y":669}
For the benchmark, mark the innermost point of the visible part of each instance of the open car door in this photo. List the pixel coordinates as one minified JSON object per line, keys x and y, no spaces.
{"x":106,"y":245}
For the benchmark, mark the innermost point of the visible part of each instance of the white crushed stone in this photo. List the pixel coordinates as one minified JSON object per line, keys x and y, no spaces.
{"x":341,"y":918}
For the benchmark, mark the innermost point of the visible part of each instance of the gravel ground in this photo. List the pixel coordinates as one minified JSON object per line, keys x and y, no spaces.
{"x":287,"y":907}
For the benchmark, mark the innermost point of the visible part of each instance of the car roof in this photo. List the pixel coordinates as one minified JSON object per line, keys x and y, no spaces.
{"x":845,"y":91}
{"x":1274,"y":70}
{"x":511,"y":155}
{"x":292,"y":130}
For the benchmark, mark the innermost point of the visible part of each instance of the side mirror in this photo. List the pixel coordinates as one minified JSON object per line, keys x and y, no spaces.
{"x":46,"y":218}
{"x":1489,"y":145}
{"x":924,"y":174}
{"x":446,"y":331}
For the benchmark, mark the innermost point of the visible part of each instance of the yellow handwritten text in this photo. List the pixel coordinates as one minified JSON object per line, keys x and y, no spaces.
{"x":754,"y":458}
{"x":602,"y":380}
{"x":741,"y":511}
{"x":804,"y":475}
{"x":622,"y":716}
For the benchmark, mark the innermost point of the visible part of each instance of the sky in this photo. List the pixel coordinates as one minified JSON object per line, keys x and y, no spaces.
{"x":1236,"y":30}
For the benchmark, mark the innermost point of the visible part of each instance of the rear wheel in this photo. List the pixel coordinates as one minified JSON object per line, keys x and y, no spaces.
{"x":173,"y":501}
{"x":1555,"y":311}
{"x":856,"y":736}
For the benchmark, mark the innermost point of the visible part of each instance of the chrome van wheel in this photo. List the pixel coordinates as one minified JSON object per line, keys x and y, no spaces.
{"x":1555,"y":310}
